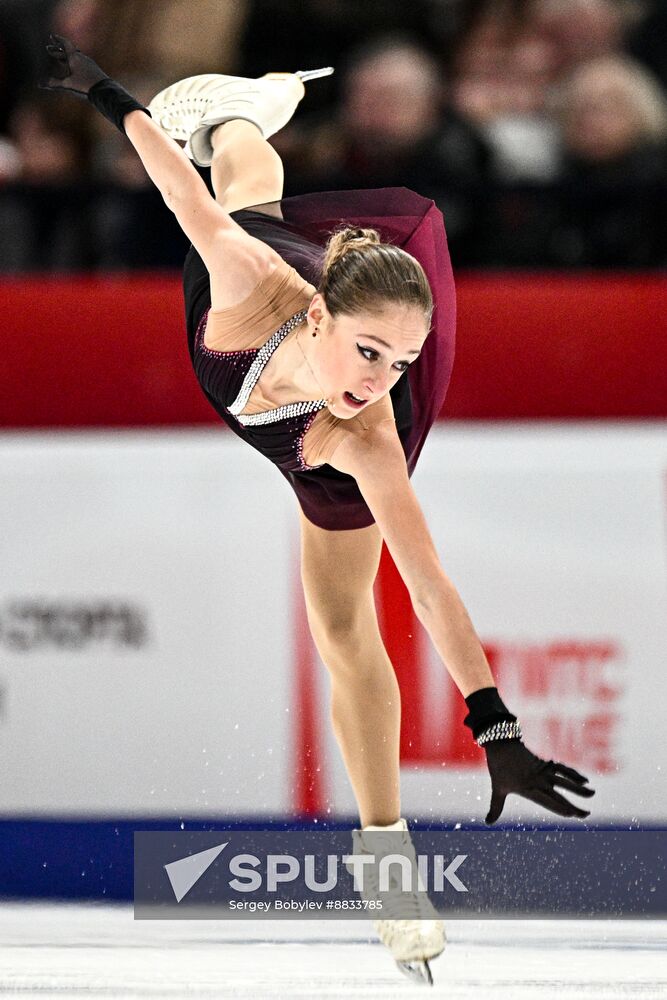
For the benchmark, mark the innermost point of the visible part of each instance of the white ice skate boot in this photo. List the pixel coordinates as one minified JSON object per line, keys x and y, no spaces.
{"x":190,"y":109}
{"x":410,"y":926}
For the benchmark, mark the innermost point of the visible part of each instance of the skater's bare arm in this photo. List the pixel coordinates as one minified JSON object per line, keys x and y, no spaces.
{"x":377,"y":462}
{"x":235,"y":261}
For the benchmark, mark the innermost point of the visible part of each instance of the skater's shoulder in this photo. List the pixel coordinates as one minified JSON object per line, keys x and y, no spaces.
{"x":337,"y":442}
{"x":278,"y":295}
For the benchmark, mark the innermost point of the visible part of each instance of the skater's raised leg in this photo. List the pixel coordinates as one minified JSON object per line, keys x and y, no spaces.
{"x":245,"y":169}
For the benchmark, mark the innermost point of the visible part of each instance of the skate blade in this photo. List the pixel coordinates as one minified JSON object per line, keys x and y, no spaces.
{"x":314,"y":74}
{"x":418,"y":971}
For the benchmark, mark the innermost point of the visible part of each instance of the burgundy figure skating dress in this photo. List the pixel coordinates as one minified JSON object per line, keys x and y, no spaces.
{"x":242,"y":339}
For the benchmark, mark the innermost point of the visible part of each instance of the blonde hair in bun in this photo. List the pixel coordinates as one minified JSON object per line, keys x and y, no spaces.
{"x":360,"y":273}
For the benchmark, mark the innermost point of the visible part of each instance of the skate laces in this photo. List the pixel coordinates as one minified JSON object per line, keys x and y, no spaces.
{"x":186,"y":120}
{"x":191,"y":101}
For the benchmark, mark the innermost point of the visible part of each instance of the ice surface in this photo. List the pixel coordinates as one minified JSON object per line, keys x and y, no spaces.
{"x":66,"y":950}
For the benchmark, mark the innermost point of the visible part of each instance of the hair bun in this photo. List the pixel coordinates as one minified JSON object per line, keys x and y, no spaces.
{"x":361,"y":274}
{"x":347,"y":239}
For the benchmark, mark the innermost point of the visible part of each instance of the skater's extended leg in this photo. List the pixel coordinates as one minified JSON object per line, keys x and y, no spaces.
{"x":338,"y":569}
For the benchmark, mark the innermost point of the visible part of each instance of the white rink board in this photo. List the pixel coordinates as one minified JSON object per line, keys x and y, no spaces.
{"x":194,"y":530}
{"x":551,"y":532}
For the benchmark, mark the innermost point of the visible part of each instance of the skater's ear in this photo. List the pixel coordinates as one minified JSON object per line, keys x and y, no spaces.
{"x":317,"y":310}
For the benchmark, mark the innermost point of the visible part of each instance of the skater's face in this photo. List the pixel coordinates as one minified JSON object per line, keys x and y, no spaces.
{"x":364,"y":353}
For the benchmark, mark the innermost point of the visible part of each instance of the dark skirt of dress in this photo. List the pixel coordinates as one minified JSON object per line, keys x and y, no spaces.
{"x":331,"y":499}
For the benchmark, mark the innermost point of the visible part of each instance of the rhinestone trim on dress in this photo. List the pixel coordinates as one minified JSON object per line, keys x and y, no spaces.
{"x":280,"y":413}
{"x":253,"y":376}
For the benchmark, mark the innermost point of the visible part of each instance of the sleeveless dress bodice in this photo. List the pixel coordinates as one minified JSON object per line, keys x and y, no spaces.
{"x":228,"y":377}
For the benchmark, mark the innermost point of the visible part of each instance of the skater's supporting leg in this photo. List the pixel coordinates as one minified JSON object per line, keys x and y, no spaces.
{"x":245,"y":170}
{"x":338,"y":569}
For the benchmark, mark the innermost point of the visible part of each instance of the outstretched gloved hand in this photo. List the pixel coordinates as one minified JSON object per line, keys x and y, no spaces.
{"x":69,"y":69}
{"x":513,"y":768}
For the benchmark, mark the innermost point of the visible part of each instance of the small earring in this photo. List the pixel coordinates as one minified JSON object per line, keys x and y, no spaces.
{"x":316,"y":331}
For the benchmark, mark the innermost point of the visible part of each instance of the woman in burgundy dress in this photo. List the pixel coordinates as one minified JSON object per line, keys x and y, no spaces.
{"x":331,"y":355}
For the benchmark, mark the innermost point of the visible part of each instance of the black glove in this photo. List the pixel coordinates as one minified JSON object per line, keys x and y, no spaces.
{"x":513,"y":768}
{"x":69,"y":70}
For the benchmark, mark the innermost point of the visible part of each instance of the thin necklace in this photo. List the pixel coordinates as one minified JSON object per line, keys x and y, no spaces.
{"x":328,"y":401}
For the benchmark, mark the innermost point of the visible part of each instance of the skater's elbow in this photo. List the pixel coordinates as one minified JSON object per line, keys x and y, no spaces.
{"x":377,"y":462}
{"x":176,"y":198}
{"x":432,"y":596}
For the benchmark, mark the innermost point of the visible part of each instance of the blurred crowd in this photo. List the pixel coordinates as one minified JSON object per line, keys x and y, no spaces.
{"x":539,"y":127}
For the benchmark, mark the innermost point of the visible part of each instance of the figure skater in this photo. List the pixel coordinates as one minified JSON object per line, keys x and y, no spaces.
{"x":321,"y":329}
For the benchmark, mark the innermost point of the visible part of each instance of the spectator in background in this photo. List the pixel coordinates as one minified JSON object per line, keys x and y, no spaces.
{"x":519,"y":141}
{"x":577,"y":30}
{"x":613,"y":116}
{"x":393,"y":128}
{"x":41,"y":222}
{"x":79,"y":195}
{"x":508,"y":65}
{"x":608,"y":208}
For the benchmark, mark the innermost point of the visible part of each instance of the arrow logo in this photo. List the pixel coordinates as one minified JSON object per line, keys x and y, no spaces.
{"x":185,"y":872}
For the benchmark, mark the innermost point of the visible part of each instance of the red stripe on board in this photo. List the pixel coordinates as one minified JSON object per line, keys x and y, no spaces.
{"x":308,"y":797}
{"x":444,"y":741}
{"x":398,"y":626}
{"x":111,"y":352}
{"x":554,"y":346}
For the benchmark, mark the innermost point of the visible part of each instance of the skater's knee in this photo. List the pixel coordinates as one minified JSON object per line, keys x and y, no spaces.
{"x":348,"y":640}
{"x":337,"y":629}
